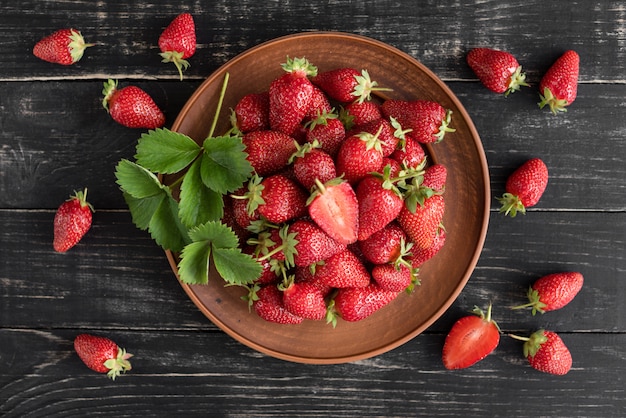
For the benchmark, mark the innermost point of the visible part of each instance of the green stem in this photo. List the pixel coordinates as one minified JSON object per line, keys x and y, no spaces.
{"x":219,"y":104}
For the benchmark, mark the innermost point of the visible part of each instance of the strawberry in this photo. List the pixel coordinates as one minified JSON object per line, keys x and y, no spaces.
{"x":283,"y":199}
{"x":422,"y":225}
{"x":499,"y":71}
{"x":410,"y":153}
{"x":553,"y":291}
{"x":358,"y":156}
{"x":346,"y":84}
{"x":379,"y":204}
{"x":268,"y":151}
{"x":428,"y":120}
{"x":559,"y":85}
{"x":269,"y":306}
{"x":327,"y":130}
{"x":394,"y":278}
{"x":313,"y":244}
{"x":131,"y":106}
{"x":524,"y":187}
{"x":304,"y":300}
{"x":355,"y":113}
{"x":343,"y":269}
{"x":394,"y":166}
{"x":308,"y":274}
{"x":252,"y":113}
{"x":334,"y":208}
{"x":310,"y":164}
{"x":65,"y":47}
{"x":386,"y":134}
{"x":470,"y":340}
{"x":178,"y":42}
{"x":243,"y":209}
{"x":72,"y":221}
{"x":384,"y":246}
{"x":102,"y":355}
{"x":357,"y":303}
{"x":319,"y":104}
{"x":546,"y":352}
{"x":291,"y":95}
{"x":421,"y":255}
{"x":435,"y":177}
{"x":271,"y":267}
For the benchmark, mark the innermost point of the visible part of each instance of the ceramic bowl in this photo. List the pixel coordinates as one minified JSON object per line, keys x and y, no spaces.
{"x":467,"y":201}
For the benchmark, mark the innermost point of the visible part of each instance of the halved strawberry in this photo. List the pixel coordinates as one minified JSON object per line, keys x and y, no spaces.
{"x":470,"y":340}
{"x":335,"y":209}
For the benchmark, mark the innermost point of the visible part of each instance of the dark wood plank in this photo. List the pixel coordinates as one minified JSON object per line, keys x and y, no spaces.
{"x":437,"y":34}
{"x":206,"y":373}
{"x":117,"y":277}
{"x":57,"y":137}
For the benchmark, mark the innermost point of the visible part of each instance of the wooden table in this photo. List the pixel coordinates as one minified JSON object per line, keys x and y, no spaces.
{"x":56,"y":138}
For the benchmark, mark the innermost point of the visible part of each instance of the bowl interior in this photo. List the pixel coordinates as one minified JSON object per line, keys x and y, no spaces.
{"x":467,"y":201}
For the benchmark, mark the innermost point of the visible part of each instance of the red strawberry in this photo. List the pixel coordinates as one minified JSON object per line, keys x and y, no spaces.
{"x":335,"y":209}
{"x":386,"y":134}
{"x":394,"y":166}
{"x":343,"y":269}
{"x":547,"y":352}
{"x":384,"y":246}
{"x":422,"y":225}
{"x":305,"y":300}
{"x":379,"y":204}
{"x":524,"y":187}
{"x":411,"y":153}
{"x":102,"y":355}
{"x":428,"y":120}
{"x":327,"y":130}
{"x":252,"y":112}
{"x":435,"y":177}
{"x":394,"y":278}
{"x":346,"y":84}
{"x":65,"y":47}
{"x":72,"y":221}
{"x":421,"y":255}
{"x":311,"y":164}
{"x":553,"y":291}
{"x":313,"y":245}
{"x":357,"y":303}
{"x":283,"y":199}
{"x":470,"y":340}
{"x":291,"y":95}
{"x":308,"y":274}
{"x":131,"y":107}
{"x":319,"y":104}
{"x":499,"y":71}
{"x":270,"y":306}
{"x":559,"y":85}
{"x":355,"y":113}
{"x":268,"y":151}
{"x":243,"y":210}
{"x":178,"y":42}
{"x":358,"y":156}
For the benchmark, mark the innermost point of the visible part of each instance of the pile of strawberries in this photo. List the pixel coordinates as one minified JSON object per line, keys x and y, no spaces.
{"x":343,"y":208}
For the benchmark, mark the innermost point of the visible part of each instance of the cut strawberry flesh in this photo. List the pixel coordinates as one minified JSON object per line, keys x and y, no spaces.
{"x":470,"y":340}
{"x":336,"y":211}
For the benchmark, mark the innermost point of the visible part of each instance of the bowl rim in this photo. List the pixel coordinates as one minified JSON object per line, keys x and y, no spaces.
{"x":217,"y":74}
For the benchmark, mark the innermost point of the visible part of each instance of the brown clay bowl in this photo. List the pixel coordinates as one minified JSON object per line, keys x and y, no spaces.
{"x":467,"y":202}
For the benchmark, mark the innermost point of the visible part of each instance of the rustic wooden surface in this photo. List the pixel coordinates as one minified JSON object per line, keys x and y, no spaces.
{"x":55,"y":138}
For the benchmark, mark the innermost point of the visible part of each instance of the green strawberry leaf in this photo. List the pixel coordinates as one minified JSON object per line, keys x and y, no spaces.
{"x":219,"y":240}
{"x":136,"y":180}
{"x":164,"y":151}
{"x":224,"y":164}
{"x":198,"y":204}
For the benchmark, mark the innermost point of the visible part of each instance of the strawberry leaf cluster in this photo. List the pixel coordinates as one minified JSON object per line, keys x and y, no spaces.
{"x":185,"y":216}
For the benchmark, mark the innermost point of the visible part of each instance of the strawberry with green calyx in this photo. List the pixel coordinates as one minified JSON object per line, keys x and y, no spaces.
{"x":409,"y":152}
{"x":471,"y":339}
{"x":291,"y":95}
{"x":284,"y":199}
{"x":131,"y":106}
{"x":384,"y":246}
{"x":399,"y":274}
{"x":499,"y":71}
{"x":313,"y":244}
{"x":178,"y":42}
{"x":428,"y":120}
{"x":102,"y":355}
{"x":343,"y":269}
{"x":388,"y":134}
{"x":326,"y":129}
{"x":64,"y":46}
{"x":553,"y":291}
{"x":358,"y":156}
{"x":72,"y":221}
{"x":269,"y":305}
{"x":356,"y":114}
{"x":524,"y":187}
{"x":347,"y":84}
{"x":252,"y":113}
{"x":380,"y":202}
{"x":559,"y":86}
{"x":357,"y":303}
{"x":422,"y":224}
{"x":311,"y":163}
{"x":333,"y":206}
{"x":546,"y":352}
{"x":281,"y":245}
{"x":303,"y":299}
